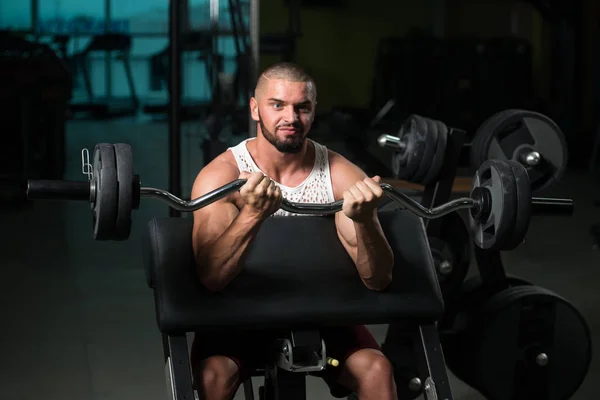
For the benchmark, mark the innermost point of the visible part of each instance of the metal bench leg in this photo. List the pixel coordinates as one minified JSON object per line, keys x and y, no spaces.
{"x":248,"y":389}
{"x":177,"y":368}
{"x":432,"y":366}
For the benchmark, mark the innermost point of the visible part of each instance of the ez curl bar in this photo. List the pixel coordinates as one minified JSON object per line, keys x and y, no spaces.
{"x":499,"y":203}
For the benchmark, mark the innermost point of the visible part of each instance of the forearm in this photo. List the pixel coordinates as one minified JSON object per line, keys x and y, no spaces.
{"x":221,"y":262}
{"x":374,"y":256}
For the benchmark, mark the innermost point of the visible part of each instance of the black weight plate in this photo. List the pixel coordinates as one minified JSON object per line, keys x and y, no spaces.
{"x":477,"y":155}
{"x":406,"y":162}
{"x":429,"y":131}
{"x":523,"y":215}
{"x":439,"y":155}
{"x":517,"y":132}
{"x":104,"y":206}
{"x":492,"y":232}
{"x":470,"y":296}
{"x":456,"y":331}
{"x":125,"y":178}
{"x":453,"y":246}
{"x":520,"y":323}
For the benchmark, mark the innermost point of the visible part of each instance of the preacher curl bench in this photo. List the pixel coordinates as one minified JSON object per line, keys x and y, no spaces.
{"x":297,"y":277}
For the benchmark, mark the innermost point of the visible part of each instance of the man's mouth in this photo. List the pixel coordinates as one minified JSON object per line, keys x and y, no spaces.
{"x":289,"y":130}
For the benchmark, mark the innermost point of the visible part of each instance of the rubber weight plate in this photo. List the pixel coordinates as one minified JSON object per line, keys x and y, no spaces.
{"x":493,"y":227}
{"x":471,"y":295}
{"x":451,"y":253}
{"x":440,"y":154}
{"x":531,"y":344}
{"x":106,"y":192}
{"x":519,"y":134}
{"x":455,"y":330}
{"x":406,"y":162}
{"x":478,"y":154}
{"x":125,"y":181}
{"x":429,"y":132}
{"x":523,"y":215}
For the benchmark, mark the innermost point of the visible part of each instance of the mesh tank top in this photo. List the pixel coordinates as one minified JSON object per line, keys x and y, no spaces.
{"x":316,"y":188}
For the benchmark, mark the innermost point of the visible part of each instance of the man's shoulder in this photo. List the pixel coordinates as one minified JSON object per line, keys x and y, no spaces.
{"x":338,"y":162}
{"x":224,"y":162}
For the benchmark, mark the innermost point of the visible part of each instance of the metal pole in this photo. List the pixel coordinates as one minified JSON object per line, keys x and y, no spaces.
{"x":175,"y":12}
{"x":255,"y":48}
{"x":108,"y":54}
{"x":34,"y":16}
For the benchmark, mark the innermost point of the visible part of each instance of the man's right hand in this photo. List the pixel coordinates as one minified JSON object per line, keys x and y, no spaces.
{"x":262,"y":197}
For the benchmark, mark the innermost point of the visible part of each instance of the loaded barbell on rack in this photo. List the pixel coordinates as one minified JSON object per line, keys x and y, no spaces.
{"x":496,"y":203}
{"x":528,"y":137}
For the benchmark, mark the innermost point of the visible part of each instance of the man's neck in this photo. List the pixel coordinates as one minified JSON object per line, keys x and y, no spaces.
{"x":282,"y":167}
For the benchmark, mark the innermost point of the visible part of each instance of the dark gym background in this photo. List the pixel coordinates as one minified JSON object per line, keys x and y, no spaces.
{"x":77,"y":316}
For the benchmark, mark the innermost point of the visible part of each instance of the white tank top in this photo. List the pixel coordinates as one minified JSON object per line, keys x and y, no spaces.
{"x":316,"y":188}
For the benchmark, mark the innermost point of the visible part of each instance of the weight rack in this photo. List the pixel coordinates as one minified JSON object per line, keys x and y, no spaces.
{"x":489,"y":263}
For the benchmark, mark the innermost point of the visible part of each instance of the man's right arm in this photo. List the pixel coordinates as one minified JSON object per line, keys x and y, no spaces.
{"x":222,"y":234}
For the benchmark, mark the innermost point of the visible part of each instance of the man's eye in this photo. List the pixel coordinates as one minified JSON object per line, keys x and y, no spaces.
{"x":276,"y":105}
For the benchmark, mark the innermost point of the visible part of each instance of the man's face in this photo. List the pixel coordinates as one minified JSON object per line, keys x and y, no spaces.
{"x":284,"y":111}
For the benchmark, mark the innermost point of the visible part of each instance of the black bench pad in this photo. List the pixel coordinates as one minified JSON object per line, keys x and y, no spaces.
{"x":297,"y":274}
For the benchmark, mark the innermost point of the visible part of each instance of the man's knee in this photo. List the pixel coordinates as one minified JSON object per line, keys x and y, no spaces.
{"x":216,"y":378}
{"x":380,"y":369}
{"x":372,"y":370}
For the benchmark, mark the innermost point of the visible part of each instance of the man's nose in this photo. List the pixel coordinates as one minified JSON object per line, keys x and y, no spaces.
{"x":291,"y":114}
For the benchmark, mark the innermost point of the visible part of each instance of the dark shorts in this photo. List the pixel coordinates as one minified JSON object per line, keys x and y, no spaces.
{"x":249,"y":350}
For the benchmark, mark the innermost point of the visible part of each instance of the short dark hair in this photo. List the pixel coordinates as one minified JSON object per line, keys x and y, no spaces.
{"x":287,"y":71}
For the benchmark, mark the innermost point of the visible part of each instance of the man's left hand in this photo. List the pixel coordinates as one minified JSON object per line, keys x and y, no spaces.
{"x":361,"y":199}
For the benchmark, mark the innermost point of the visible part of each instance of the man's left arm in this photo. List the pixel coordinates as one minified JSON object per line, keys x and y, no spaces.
{"x":358,"y":227}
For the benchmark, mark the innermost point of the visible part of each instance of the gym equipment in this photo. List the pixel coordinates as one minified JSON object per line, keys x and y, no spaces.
{"x":200,"y":42}
{"x":107,"y":107}
{"x":421,"y":144}
{"x":297,"y":278}
{"x":451,"y":250}
{"x":528,"y":137}
{"x":36,"y":86}
{"x":472,"y":293}
{"x":492,"y":202}
{"x":523,"y":342}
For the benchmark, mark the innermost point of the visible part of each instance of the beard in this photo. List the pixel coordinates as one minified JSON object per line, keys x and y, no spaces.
{"x":292,"y":144}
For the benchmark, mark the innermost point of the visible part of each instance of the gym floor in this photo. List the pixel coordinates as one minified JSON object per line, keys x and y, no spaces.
{"x":78,"y":318}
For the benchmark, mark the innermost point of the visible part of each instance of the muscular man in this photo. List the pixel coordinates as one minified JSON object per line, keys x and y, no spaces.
{"x":282,"y":162}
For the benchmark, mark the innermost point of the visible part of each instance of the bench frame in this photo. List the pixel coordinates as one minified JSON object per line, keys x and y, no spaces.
{"x":280,"y":384}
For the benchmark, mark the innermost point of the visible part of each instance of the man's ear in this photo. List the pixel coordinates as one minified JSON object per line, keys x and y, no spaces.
{"x":254,"y":109}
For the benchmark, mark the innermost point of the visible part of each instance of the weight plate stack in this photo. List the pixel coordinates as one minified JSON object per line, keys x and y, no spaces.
{"x":527,"y":137}
{"x":524,"y":342}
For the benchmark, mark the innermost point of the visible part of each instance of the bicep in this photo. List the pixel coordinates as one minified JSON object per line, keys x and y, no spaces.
{"x":345,"y":174}
{"x":212,"y":220}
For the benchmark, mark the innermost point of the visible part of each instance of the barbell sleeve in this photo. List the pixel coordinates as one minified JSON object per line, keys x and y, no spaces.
{"x":551,"y":206}
{"x":58,"y":190}
{"x":391,"y":141}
